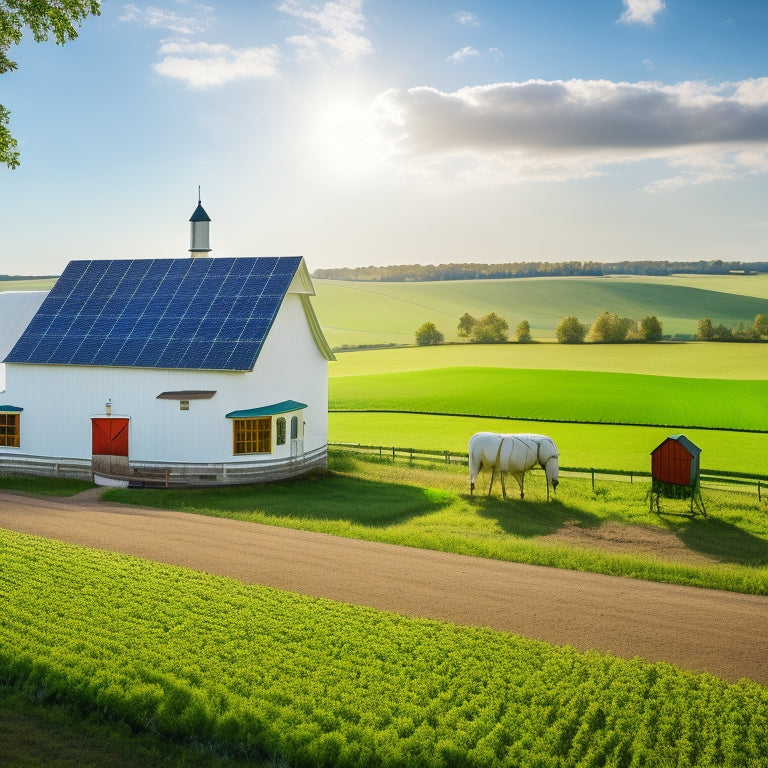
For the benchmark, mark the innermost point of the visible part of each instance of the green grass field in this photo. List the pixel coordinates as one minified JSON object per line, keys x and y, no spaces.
{"x":41,"y":284}
{"x":712,"y":385}
{"x":573,"y":396}
{"x":252,"y":671}
{"x":356,"y":313}
{"x":584,"y":446}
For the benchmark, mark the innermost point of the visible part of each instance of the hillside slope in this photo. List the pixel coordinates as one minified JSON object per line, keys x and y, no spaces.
{"x":356,"y":313}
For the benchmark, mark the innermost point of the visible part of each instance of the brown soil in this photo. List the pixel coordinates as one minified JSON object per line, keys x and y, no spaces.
{"x":630,"y":540}
{"x":722,"y":633}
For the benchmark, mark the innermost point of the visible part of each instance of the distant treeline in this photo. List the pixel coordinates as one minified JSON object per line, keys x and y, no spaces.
{"x":418,"y":272}
{"x":27,"y":277}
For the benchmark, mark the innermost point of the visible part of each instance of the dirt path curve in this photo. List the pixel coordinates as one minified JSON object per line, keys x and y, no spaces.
{"x":700,"y":630}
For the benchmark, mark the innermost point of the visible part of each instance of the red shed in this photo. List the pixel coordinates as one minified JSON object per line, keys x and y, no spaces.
{"x":675,"y":472}
{"x":676,"y":461}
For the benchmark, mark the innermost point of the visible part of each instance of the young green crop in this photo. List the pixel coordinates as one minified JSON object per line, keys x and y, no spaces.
{"x":575,"y":396}
{"x":263,"y":672}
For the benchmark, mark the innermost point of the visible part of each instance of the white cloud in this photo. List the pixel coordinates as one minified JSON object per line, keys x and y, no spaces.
{"x":463,"y":53}
{"x":204,"y":65}
{"x":333,"y":27}
{"x":161,"y":18}
{"x":641,"y":11}
{"x":465,"y":17}
{"x":577,"y":128}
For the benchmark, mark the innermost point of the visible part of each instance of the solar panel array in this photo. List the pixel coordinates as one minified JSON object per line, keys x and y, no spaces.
{"x":211,"y":314}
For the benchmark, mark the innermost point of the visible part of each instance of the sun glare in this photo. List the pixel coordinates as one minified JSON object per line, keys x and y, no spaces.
{"x":344,"y":138}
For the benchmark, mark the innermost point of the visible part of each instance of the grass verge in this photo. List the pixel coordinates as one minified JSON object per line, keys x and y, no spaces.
{"x":44,"y":486}
{"x":372,"y":499}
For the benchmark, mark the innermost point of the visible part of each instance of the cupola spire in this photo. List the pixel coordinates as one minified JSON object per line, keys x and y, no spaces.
{"x":199,"y":235}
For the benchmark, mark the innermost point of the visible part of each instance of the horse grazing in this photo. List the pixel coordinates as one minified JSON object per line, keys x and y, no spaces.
{"x":515,"y":454}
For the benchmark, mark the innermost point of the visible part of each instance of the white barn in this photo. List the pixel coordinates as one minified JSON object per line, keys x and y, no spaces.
{"x":170,"y":371}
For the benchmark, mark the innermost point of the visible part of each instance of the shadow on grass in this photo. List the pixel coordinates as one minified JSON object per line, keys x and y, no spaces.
{"x":322,"y":498}
{"x":532,"y":518}
{"x":718,"y":538}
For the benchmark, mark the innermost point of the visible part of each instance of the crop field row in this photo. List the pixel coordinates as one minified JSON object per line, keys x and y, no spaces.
{"x":258,"y":671}
{"x":573,"y":396}
{"x":698,"y":360}
{"x":584,"y":446}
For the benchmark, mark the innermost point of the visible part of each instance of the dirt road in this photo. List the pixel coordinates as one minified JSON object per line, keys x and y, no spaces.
{"x":700,"y":630}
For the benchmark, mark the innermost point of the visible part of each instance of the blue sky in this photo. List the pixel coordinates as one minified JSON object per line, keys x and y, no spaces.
{"x":362,"y":132}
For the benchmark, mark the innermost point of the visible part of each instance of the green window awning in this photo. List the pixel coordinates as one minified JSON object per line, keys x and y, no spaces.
{"x":10,"y":409}
{"x":286,"y":406}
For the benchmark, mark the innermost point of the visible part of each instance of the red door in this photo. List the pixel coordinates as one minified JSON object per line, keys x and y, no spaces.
{"x":110,"y":437}
{"x":109,"y":441}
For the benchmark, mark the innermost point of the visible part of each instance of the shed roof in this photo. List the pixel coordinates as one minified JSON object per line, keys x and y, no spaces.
{"x":211,"y":314}
{"x":694,"y":450}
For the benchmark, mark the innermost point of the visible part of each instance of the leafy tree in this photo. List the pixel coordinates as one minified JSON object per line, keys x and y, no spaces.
{"x":466,"y":324}
{"x":59,"y":18}
{"x":570,"y":331}
{"x":523,"y":332}
{"x":609,"y":328}
{"x":746,"y":333}
{"x":761,"y":325}
{"x":427,"y":334}
{"x":705,"y":330}
{"x":490,"y":329}
{"x":649,"y":328}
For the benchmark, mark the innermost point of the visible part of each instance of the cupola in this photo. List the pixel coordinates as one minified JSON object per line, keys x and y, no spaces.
{"x":199,"y":235}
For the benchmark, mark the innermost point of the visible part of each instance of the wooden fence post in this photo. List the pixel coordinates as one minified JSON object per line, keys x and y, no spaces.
{"x":593,"y":479}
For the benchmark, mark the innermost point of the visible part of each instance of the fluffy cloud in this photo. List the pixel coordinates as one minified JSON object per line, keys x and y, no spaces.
{"x":641,"y":11}
{"x":204,"y":65}
{"x":576,"y":128}
{"x":334,"y":29}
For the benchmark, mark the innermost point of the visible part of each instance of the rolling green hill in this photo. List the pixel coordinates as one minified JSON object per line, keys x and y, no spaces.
{"x":356,"y":313}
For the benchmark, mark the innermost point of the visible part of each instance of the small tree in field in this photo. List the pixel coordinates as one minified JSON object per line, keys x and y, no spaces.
{"x":761,"y":325}
{"x":523,"y":332}
{"x":609,"y":328}
{"x":649,"y":328}
{"x":705,"y":330}
{"x":466,"y":324}
{"x":570,"y":331}
{"x":427,"y":335}
{"x":490,"y":329}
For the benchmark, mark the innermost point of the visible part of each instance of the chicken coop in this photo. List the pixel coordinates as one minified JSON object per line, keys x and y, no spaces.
{"x":675,"y":473}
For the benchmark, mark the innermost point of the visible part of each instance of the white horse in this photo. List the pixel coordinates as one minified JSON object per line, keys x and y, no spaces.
{"x":515,"y":454}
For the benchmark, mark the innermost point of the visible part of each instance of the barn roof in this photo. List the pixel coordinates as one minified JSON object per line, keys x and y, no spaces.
{"x":694,"y":450}
{"x":211,"y":314}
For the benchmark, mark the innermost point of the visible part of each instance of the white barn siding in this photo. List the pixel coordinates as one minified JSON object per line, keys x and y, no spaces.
{"x":17,"y":308}
{"x":290,"y":366}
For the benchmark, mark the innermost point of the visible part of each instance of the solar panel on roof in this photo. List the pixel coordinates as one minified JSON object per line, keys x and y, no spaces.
{"x":159,"y":313}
